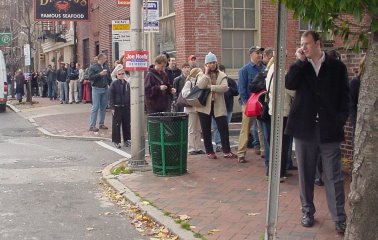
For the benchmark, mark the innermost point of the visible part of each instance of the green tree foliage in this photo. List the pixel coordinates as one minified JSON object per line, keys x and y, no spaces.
{"x":351,"y":19}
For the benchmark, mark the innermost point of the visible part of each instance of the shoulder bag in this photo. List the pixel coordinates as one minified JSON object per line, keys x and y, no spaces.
{"x":197,"y":96}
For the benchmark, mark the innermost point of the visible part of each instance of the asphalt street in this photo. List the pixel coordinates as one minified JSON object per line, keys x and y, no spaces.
{"x":49,"y":188}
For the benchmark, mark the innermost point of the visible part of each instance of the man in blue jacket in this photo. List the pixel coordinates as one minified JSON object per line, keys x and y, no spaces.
{"x":316,"y":120}
{"x":246,"y":76}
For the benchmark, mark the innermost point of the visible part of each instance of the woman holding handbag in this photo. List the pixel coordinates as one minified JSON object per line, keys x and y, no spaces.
{"x":194,"y":126}
{"x":216,"y":81}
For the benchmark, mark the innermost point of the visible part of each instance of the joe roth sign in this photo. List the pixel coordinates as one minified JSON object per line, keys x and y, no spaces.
{"x":61,"y":10}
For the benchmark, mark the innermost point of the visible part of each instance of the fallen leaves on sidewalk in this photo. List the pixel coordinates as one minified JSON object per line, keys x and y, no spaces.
{"x":143,"y":223}
{"x":253,"y":214}
{"x":213,"y":231}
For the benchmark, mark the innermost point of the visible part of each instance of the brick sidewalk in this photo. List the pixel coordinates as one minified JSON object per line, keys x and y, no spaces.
{"x":217,"y":194}
{"x":223,"y":194}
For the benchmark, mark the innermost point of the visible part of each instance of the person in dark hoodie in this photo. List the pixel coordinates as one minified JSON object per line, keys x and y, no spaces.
{"x":119,"y":103}
{"x":158,"y":90}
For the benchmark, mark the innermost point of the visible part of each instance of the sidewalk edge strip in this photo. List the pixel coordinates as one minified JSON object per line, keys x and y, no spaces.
{"x":151,"y":211}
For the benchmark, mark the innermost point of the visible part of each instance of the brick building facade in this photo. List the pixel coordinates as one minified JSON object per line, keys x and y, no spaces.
{"x":199,"y":26}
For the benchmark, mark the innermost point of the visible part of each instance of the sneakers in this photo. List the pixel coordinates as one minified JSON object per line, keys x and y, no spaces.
{"x":307,"y":220}
{"x":117,"y":145}
{"x":103,"y":127}
{"x":218,"y":148}
{"x":319,"y":182}
{"x":229,"y":155}
{"x":127,"y":143}
{"x":242,"y":160}
{"x":193,"y":153}
{"x":211,"y":156}
{"x":340,"y":227}
{"x":93,"y":129}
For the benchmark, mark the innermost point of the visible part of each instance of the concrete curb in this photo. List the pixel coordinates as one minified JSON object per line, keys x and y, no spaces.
{"x":151,"y":211}
{"x":47,"y":133}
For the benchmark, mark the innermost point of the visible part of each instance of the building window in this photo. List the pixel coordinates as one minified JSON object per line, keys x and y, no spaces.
{"x":167,"y":33}
{"x":327,"y":37}
{"x":238,"y":31}
{"x":166,"y":7}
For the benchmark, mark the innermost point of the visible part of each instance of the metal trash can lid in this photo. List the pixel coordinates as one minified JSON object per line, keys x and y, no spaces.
{"x":167,"y":116}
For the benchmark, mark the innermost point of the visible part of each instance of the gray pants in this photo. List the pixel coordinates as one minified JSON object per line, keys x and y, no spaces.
{"x":307,"y":154}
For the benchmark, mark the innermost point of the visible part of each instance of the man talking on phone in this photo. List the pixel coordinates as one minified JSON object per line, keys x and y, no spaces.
{"x":316,"y":120}
{"x":99,"y":76}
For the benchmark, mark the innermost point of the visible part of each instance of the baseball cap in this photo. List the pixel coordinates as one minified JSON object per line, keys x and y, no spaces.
{"x":191,"y":57}
{"x":255,"y":49}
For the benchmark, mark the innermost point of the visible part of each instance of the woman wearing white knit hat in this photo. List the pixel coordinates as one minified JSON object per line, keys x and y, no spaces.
{"x":216,"y":81}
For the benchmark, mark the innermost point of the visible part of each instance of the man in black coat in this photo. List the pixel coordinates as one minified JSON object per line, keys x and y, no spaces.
{"x":316,"y":120}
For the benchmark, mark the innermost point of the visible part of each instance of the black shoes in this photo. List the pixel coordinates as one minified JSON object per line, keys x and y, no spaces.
{"x":319,"y":182}
{"x":117,"y":145}
{"x":340,"y":227}
{"x":307,"y":220}
{"x":200,"y":152}
{"x":93,"y":129}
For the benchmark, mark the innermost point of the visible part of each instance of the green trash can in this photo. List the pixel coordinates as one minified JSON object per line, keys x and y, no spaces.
{"x":168,"y":142}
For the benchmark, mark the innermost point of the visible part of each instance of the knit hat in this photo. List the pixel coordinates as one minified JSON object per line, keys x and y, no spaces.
{"x":210,"y":57}
{"x":194,"y":72}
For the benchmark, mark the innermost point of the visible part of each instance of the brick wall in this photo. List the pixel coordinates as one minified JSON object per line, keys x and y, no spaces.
{"x":198,"y":29}
{"x":99,"y":28}
{"x":352,"y":61}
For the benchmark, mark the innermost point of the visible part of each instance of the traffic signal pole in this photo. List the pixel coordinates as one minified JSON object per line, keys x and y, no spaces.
{"x":137,"y":88}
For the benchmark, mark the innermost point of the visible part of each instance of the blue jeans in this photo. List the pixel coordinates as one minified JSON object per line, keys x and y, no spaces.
{"x":266,"y":132}
{"x":255,"y":134}
{"x":63,"y":92}
{"x":216,"y":133}
{"x":80,"y":90}
{"x":99,"y":103}
{"x":51,"y":89}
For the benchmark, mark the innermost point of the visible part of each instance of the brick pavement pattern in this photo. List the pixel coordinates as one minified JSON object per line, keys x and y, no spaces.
{"x":229,"y":196}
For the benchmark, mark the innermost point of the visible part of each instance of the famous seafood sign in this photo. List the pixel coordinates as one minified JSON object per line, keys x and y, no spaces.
{"x":61,"y":10}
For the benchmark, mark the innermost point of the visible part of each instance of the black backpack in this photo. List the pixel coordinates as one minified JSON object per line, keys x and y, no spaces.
{"x":258,"y":83}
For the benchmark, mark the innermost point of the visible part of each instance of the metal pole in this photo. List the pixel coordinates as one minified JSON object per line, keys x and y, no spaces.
{"x":137,"y":88}
{"x":277,"y":122}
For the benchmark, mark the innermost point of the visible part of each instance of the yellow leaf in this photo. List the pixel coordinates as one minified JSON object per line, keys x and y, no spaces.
{"x":184,"y":217}
{"x":213,"y":231}
{"x":253,"y":214}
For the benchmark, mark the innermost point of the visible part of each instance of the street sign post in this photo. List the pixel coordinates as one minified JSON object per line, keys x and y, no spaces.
{"x":136,"y":60}
{"x":5,"y":38}
{"x":27,"y":54}
{"x":121,"y":31}
{"x":151,"y":17}
{"x":123,"y":3}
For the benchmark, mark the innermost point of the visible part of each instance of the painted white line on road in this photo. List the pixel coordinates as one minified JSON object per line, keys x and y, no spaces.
{"x":120,"y":152}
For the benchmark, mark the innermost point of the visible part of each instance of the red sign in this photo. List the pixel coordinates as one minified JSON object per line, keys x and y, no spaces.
{"x":136,"y":60}
{"x":123,"y":3}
